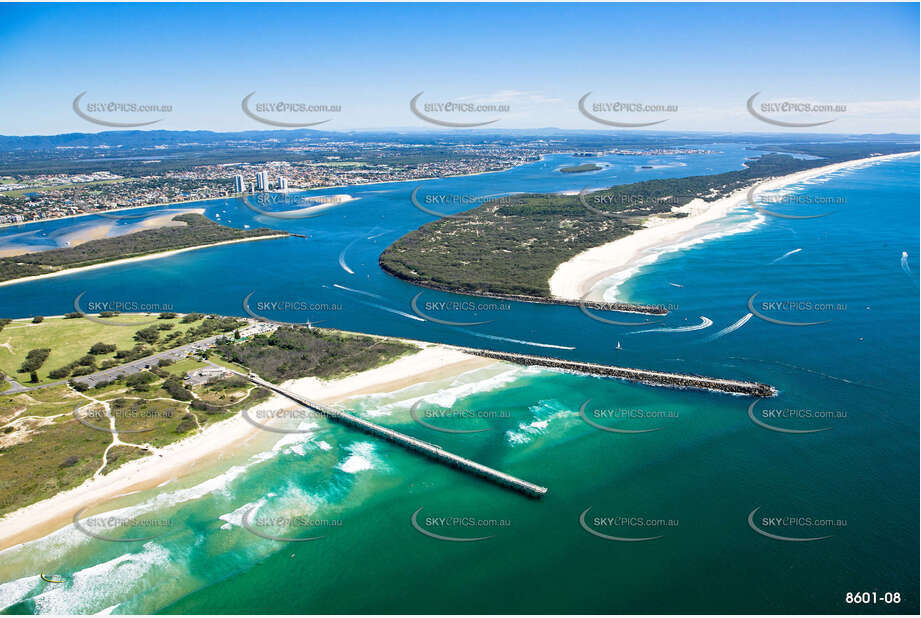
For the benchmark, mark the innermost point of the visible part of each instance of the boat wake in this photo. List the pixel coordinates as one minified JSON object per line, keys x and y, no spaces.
{"x":362,"y":292}
{"x":730,"y":329}
{"x":342,"y":263}
{"x":705,"y":322}
{"x":521,"y":341}
{"x":787,"y":254}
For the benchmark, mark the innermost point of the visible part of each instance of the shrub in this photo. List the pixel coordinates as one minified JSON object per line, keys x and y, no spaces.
{"x":60,"y":373}
{"x":71,"y":461}
{"x":173,"y":386}
{"x":192,"y":317}
{"x":140,"y":381}
{"x":134,"y":353}
{"x":4,"y":322}
{"x":102,"y":348}
{"x":38,"y":319}
{"x":187,"y":423}
{"x":147,"y":335}
{"x":198,"y":404}
{"x":108,"y":314}
{"x":78,"y":386}
{"x":167,"y":315}
{"x":164,"y":326}
{"x":87,"y":361}
{"x":72,"y":315}
{"x":34,"y":359}
{"x":83,"y":371}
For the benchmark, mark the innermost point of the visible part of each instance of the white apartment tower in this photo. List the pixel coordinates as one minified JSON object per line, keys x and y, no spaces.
{"x":262,"y":181}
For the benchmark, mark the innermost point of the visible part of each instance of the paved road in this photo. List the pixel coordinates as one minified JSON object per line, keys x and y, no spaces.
{"x":16,"y":387}
{"x":139,"y":365}
{"x":107,"y":375}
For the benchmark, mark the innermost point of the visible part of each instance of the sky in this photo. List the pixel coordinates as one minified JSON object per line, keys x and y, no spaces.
{"x":704,"y":61}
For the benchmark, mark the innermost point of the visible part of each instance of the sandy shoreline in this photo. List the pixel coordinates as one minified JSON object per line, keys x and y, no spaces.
{"x":102,"y":230}
{"x":226,"y":438}
{"x":575,"y":278}
{"x":140,"y":258}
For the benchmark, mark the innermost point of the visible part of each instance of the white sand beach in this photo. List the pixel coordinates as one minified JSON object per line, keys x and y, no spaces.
{"x":104,"y":229}
{"x":226,"y":438}
{"x":574,"y":279}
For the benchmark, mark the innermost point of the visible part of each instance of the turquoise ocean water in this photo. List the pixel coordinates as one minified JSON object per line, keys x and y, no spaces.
{"x":690,"y":486}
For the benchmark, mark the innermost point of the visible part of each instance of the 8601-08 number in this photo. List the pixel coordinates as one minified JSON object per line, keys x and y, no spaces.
{"x":871,"y":598}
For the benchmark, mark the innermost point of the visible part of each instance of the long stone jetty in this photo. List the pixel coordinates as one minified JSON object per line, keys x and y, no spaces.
{"x":646,"y":376}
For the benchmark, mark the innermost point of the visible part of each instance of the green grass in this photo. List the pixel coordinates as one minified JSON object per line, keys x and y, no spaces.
{"x":27,"y":404}
{"x":180,"y":368}
{"x":71,"y":339}
{"x":218,"y":360}
{"x":55,"y":458}
{"x":120,"y":455}
{"x":151,"y":422}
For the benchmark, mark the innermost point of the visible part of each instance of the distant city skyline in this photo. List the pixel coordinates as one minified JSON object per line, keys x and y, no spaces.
{"x":529,"y":65}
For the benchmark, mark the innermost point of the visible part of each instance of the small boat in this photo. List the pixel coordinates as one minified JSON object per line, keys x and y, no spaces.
{"x":52,"y":581}
{"x":677,"y":285}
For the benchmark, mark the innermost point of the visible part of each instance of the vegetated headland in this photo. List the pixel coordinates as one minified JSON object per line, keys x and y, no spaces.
{"x":509,"y":248}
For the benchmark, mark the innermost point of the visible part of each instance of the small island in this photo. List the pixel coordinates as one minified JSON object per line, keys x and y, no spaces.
{"x":578,"y":169}
{"x":194,"y":231}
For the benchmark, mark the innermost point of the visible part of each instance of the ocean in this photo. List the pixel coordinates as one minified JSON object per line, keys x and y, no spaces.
{"x":683,"y":515}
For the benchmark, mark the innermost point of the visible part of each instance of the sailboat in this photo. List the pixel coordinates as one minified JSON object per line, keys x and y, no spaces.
{"x":618,"y":346}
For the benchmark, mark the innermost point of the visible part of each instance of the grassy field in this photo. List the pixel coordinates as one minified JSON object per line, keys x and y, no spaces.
{"x":70,"y":340}
{"x":45,"y":450}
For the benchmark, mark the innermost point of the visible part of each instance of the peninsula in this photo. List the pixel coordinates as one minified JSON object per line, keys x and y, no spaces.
{"x":511,"y":248}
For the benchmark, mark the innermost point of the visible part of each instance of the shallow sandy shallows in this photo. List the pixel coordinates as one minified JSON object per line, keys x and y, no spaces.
{"x":232,"y":437}
{"x":575,"y":278}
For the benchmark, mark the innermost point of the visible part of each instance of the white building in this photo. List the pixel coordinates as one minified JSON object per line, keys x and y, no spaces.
{"x":239,"y":185}
{"x":262,"y":181}
{"x":281,"y":184}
